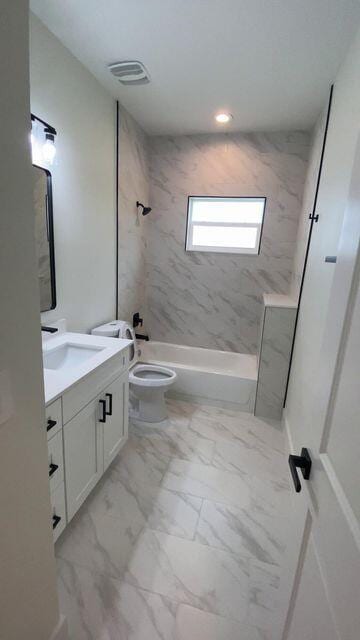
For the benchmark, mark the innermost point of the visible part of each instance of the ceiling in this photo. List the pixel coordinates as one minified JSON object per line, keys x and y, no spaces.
{"x":268,"y":62}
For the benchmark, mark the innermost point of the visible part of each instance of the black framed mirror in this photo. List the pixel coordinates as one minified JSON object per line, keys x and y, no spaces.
{"x":44,"y":236}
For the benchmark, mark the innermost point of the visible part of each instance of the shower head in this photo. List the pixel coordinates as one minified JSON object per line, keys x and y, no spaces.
{"x":145,"y":210}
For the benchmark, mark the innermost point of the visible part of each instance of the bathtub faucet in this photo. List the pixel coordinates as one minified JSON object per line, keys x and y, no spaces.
{"x":137,"y":320}
{"x":140,"y":336}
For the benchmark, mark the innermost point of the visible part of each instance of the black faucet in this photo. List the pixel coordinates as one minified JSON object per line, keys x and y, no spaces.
{"x":141,"y":336}
{"x":137,"y":320}
{"x":49,"y":329}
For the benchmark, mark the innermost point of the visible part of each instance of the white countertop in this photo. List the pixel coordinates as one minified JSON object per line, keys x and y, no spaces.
{"x":57,"y":381}
{"x":279,"y":300}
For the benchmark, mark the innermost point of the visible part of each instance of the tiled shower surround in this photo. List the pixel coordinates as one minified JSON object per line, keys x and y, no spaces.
{"x":215,"y":300}
{"x":133,"y":186}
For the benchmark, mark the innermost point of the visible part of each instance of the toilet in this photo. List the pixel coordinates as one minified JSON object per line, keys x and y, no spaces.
{"x":148,"y":383}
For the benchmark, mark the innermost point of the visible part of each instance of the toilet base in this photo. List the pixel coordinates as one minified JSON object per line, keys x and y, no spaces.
{"x":144,"y":428}
{"x":148,"y":405}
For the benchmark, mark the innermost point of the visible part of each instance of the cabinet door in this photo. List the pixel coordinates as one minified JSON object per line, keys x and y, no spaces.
{"x":83,"y":456}
{"x":115,"y":429}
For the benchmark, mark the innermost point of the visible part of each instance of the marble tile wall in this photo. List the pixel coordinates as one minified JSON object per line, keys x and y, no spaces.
{"x":307,"y":205}
{"x":133,"y":186}
{"x":274,"y":356}
{"x":215,"y":300}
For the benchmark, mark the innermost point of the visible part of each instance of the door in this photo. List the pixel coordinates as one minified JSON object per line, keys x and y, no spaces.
{"x":115,"y":428}
{"x":325,"y":601}
{"x":83,"y":455}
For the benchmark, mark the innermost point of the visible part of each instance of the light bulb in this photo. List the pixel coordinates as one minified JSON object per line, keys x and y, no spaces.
{"x":49,"y":149}
{"x":223,"y":118}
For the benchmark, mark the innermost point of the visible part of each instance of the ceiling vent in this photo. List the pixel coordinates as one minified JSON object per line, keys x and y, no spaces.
{"x":130,"y":72}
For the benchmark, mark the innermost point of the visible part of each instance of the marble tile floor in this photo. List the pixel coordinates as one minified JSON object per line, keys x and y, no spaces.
{"x":186,"y":535}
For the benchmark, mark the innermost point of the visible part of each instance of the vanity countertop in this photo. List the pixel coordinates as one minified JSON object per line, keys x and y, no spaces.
{"x":61,"y":379}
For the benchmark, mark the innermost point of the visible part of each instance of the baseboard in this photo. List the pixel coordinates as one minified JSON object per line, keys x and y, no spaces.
{"x":223,"y":404}
{"x":61,"y":631}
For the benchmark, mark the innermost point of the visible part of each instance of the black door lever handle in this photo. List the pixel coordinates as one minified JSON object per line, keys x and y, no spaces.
{"x":304,"y":463}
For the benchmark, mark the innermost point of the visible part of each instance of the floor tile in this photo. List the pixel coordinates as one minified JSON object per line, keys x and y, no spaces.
{"x":176,"y":443}
{"x":139,"y":466}
{"x":100,"y":543}
{"x":250,"y":458}
{"x":186,"y":535}
{"x":101,"y":608}
{"x":240,"y":531}
{"x":173,"y":513}
{"x":190,"y":573}
{"x":145,"y":504}
{"x":206,"y":482}
{"x":220,"y":424}
{"x":194,"y":624}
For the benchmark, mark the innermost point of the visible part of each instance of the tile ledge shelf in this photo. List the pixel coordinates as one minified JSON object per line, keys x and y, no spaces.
{"x":279,"y":300}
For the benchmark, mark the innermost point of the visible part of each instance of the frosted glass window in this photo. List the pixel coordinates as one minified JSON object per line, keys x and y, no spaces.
{"x":226,"y":225}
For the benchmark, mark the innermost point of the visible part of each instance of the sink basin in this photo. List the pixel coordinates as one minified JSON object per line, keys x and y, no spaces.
{"x":67,"y":356}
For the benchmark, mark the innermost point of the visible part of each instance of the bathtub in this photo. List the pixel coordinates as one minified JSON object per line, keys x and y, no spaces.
{"x":206,"y":374}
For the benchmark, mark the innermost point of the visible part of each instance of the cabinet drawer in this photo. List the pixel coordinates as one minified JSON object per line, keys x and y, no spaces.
{"x":86,"y":390}
{"x":53,"y":416}
{"x":58,"y":510}
{"x":56,"y":460}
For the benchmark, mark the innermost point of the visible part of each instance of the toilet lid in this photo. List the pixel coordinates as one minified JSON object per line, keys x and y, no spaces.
{"x":148,"y":375}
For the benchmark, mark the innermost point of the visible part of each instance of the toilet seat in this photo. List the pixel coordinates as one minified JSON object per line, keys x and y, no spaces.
{"x":148,"y":375}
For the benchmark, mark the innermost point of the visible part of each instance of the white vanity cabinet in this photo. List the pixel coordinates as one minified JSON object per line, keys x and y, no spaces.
{"x":87,"y":427}
{"x":82,"y":450}
{"x":53,"y":415}
{"x":115,"y":427}
{"x":92,"y":439}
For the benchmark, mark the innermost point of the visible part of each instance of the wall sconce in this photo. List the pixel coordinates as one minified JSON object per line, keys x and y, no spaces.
{"x":42,"y":141}
{"x":145,"y":210}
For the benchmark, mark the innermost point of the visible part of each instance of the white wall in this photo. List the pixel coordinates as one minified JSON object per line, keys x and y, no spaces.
{"x":67,"y":96}
{"x":343,"y":133}
{"x":28,"y":601}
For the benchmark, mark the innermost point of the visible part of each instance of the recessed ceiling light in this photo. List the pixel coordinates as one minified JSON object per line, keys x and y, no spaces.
{"x":223,"y":118}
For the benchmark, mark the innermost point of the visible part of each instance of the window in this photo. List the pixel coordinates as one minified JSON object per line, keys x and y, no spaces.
{"x":224,"y":225}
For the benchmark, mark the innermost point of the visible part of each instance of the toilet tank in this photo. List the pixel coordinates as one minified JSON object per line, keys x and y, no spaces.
{"x":111,"y":329}
{"x":119,"y":329}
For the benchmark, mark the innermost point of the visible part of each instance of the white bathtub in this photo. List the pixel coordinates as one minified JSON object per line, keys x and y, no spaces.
{"x":219,"y":376}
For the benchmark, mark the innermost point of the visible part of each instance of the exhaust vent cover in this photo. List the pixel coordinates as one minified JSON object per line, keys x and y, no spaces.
{"x":130,"y":72}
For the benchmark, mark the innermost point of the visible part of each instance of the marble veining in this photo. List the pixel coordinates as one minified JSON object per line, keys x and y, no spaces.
{"x":186,"y":535}
{"x":214,"y":300}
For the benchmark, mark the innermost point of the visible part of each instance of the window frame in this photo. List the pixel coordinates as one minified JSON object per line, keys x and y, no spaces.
{"x":190,"y":247}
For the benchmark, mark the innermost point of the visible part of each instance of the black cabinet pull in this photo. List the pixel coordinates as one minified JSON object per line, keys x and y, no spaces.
{"x":103,"y":408}
{"x":50,"y":424}
{"x":56,"y":520}
{"x":302,"y":462}
{"x":52,"y":468}
{"x":109,"y":412}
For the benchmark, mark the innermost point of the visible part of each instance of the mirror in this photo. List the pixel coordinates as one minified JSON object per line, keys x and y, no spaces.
{"x":44,"y":236}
